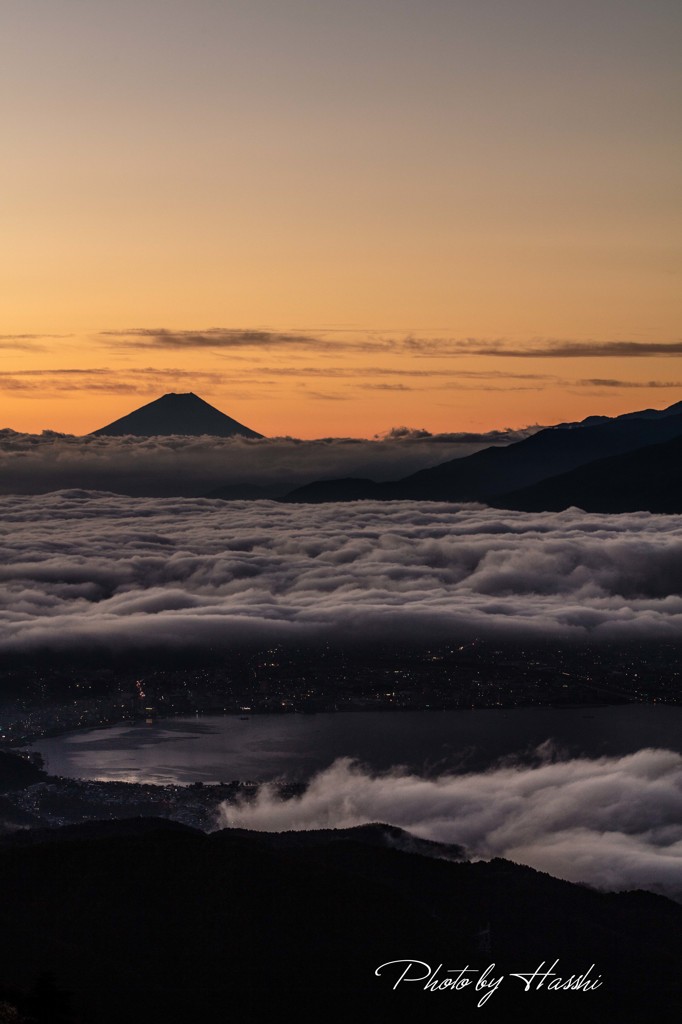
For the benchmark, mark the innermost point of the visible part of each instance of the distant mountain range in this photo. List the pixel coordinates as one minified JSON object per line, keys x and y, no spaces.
{"x":185,"y":414}
{"x":601,"y":464}
{"x":648,"y":478}
{"x":628,"y":463}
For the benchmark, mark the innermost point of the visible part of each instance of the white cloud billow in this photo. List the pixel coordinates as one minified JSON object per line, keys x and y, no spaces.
{"x":612,"y":822}
{"x":79,"y":567}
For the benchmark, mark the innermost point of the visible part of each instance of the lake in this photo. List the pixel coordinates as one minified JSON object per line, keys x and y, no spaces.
{"x":211,"y":749}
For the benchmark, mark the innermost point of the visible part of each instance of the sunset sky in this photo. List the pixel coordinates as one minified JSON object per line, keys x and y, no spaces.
{"x":331,"y":217}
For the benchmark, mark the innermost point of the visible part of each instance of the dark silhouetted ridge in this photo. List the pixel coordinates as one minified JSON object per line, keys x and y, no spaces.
{"x":646,"y":480}
{"x":151,"y":926}
{"x":343,"y":489}
{"x":184,"y":414}
{"x":492,"y":472}
{"x":550,"y":452}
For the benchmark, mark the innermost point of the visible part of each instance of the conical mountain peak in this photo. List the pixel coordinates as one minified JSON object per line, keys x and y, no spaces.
{"x":177,"y":413}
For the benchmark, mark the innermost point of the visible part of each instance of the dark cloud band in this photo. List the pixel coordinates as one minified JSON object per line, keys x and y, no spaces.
{"x":193,"y":466}
{"x":237,"y":338}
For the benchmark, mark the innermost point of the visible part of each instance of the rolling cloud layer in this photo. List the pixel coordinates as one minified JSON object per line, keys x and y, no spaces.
{"x":192,"y":466}
{"x":94,"y":568}
{"x":612,"y":822}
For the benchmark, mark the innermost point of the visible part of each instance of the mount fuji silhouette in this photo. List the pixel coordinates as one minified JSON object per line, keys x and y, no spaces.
{"x":185,"y":414}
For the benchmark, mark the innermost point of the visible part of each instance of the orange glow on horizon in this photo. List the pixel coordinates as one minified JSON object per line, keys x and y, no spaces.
{"x":342,"y":393}
{"x":402,"y":196}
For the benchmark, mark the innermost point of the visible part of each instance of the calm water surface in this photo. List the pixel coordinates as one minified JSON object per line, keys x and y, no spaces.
{"x":213,"y":749}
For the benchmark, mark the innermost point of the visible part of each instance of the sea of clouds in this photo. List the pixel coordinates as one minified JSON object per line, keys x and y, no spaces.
{"x":91,"y":568}
{"x":612,"y":822}
{"x":195,"y":466}
{"x":99,"y":569}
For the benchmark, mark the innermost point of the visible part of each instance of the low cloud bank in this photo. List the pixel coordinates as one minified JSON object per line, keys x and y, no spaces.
{"x":81,"y":568}
{"x":193,"y":466}
{"x":612,"y":822}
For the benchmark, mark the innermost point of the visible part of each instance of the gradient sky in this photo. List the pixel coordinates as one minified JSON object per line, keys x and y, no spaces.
{"x":330,"y":218}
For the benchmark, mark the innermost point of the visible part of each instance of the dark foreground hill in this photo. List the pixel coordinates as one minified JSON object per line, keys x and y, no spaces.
{"x":185,"y":414}
{"x":649,"y":479}
{"x":488,"y":474}
{"x":154,"y":922}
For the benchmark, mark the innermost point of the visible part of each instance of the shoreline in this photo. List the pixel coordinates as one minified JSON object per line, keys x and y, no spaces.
{"x":24,"y":741}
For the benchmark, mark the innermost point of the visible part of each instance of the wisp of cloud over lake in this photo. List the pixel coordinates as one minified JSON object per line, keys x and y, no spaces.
{"x":612,"y":822}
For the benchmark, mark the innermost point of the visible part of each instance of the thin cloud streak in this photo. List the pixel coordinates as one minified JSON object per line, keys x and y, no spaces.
{"x":28,"y":342}
{"x":610,"y":383}
{"x":255,"y":381}
{"x":235,"y":338}
{"x":238,"y":338}
{"x":141,"y":380}
{"x":543,"y":349}
{"x":353,"y":372}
